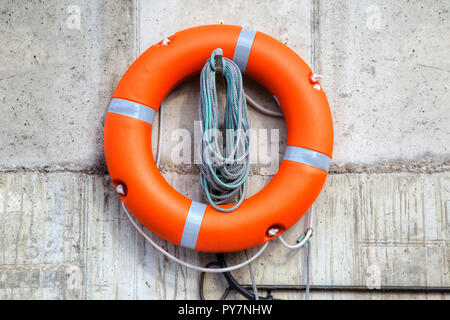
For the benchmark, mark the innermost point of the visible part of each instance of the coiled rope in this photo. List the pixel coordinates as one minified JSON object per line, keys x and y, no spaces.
{"x":224,"y":164}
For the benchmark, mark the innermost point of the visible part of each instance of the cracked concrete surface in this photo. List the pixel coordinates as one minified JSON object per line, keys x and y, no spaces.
{"x":387,"y":104}
{"x":64,"y":237}
{"x":56,"y":82}
{"x":386,"y":201}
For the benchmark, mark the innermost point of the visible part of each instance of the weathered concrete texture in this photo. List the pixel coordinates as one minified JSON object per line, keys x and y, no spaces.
{"x":57,"y":80}
{"x":288,"y":21}
{"x":64,"y":236}
{"x":386,"y":71}
{"x":386,"y":77}
{"x":386,"y":67}
{"x":396,"y":224}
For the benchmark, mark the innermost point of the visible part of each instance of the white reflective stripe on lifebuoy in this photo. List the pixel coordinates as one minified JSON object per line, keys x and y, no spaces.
{"x":243,"y":48}
{"x":131,"y":109}
{"x":309,"y":157}
{"x":193,"y":224}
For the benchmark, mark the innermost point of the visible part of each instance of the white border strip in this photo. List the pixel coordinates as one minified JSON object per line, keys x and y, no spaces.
{"x":193,"y":224}
{"x":243,"y":48}
{"x":131,"y":109}
{"x":309,"y":157}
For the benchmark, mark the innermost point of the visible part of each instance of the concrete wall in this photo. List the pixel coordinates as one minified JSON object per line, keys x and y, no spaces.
{"x":386,"y":203}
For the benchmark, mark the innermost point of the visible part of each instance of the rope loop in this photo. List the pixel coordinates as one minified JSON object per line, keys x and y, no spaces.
{"x":225,"y":161}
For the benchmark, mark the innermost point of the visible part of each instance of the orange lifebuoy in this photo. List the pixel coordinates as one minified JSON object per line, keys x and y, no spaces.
{"x":281,"y":202}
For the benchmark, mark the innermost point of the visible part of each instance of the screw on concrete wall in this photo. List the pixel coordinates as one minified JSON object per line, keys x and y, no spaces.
{"x":373,"y":21}
{"x":74,"y":19}
{"x":373,"y":277}
{"x":120,"y":189}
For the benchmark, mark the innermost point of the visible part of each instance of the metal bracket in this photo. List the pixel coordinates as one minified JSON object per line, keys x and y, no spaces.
{"x":218,"y":60}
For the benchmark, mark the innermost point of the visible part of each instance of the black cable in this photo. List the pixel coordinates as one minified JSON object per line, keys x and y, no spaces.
{"x":202,"y":279}
{"x":232,"y":282}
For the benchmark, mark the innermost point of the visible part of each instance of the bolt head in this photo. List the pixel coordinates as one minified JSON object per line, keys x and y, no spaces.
{"x":120,"y":189}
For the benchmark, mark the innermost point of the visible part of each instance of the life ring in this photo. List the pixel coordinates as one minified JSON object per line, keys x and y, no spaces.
{"x":178,"y":219}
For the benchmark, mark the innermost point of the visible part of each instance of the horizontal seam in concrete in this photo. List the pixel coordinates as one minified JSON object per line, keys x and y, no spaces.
{"x":411,"y":243}
{"x":48,"y":171}
{"x":428,"y":167}
{"x":40,"y":265}
{"x":407,"y":167}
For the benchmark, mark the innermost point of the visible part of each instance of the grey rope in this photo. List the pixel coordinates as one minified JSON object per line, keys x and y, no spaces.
{"x":263,"y":110}
{"x":308,"y":271}
{"x":225,"y":164}
{"x":252,"y":278}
